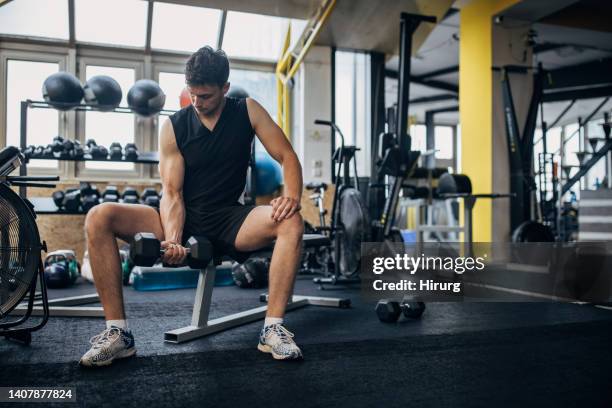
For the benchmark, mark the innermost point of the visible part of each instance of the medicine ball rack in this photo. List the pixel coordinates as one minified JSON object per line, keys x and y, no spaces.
{"x":45,"y":205}
{"x":67,"y":306}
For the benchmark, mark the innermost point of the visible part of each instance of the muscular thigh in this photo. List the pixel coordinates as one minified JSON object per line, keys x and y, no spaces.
{"x":126,"y":220}
{"x":257,"y":230}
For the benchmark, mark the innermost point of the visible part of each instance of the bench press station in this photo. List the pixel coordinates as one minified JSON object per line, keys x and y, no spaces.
{"x":146,"y":250}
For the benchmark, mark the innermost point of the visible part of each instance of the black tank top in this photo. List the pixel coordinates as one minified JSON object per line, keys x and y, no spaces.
{"x":215,"y":162}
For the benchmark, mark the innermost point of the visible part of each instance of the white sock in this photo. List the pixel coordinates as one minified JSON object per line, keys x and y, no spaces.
{"x":273,"y":320}
{"x":122,"y":324}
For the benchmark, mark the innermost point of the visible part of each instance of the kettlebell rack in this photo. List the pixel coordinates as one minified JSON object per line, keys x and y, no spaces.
{"x":45,"y":205}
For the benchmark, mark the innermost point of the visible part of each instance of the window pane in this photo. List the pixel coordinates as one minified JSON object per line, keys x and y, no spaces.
{"x":256,"y":36}
{"x":352,"y":101}
{"x":572,"y":145}
{"x":261,"y":86}
{"x":172,"y":84}
{"x":418,"y":134}
{"x":40,"y":18}
{"x":184,"y":28}
{"x":109,"y":127}
{"x":444,"y":142}
{"x":24,"y":81}
{"x":119,"y":22}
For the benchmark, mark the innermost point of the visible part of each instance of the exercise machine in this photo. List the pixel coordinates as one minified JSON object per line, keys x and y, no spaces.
{"x":350,"y":223}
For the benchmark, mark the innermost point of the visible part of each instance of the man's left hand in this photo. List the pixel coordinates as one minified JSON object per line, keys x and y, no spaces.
{"x":284,"y":207}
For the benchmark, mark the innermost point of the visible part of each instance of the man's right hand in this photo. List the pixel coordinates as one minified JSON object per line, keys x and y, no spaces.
{"x":174,"y":253}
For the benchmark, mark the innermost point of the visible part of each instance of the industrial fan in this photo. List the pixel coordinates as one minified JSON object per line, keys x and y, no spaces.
{"x":20,"y":247}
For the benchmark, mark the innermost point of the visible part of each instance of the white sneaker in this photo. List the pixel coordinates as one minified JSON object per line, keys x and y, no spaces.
{"x":113,"y":343}
{"x":278,"y":341}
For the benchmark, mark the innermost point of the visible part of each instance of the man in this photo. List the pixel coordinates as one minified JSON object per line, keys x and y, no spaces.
{"x":204,"y":155}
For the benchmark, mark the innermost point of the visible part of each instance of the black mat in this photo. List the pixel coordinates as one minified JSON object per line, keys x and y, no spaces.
{"x":458,"y":354}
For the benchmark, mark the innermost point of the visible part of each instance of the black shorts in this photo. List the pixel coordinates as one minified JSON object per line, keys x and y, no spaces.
{"x":221,"y":227}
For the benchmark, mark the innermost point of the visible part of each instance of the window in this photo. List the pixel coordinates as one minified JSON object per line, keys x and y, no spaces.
{"x":353,"y":104}
{"x":40,"y":18}
{"x":118,"y":22}
{"x":572,"y":145}
{"x":109,"y":127}
{"x":184,"y":28}
{"x":261,"y":86}
{"x":257,"y":36}
{"x":418,"y":134}
{"x":24,"y":81}
{"x":444,"y":142}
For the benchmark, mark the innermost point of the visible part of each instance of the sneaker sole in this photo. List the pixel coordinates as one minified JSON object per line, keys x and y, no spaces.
{"x":124,"y":354}
{"x":267,"y":349}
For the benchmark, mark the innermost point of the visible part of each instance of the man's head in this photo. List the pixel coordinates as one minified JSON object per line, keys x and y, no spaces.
{"x":206,"y":76}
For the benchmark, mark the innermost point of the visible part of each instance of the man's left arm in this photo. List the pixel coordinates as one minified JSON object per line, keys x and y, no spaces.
{"x":276,"y":143}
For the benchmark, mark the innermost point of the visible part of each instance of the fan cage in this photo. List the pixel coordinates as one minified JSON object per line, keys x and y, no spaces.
{"x":19,"y":249}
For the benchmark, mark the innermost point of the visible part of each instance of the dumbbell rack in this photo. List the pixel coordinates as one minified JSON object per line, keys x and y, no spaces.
{"x":45,"y":205}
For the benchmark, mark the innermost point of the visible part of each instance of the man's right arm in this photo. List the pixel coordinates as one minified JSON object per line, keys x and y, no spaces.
{"x":172,"y":207}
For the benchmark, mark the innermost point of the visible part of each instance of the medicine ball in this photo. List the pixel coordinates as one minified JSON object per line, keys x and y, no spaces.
{"x":146,"y":98}
{"x":62,"y":90}
{"x":253,"y":273}
{"x":268,"y":173}
{"x":185,"y":98}
{"x":103,"y":92}
{"x":237,"y":92}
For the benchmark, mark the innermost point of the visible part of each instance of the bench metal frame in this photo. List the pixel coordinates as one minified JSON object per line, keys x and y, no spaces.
{"x":201,"y":326}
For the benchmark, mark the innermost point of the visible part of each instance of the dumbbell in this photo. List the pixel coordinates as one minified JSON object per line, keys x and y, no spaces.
{"x":116,"y":151}
{"x":90,"y":202}
{"x":130,"y":195}
{"x":77,"y":151}
{"x":58,"y":144}
{"x":58,"y":198}
{"x":29,"y":151}
{"x":72,"y":200}
{"x":131,"y":151}
{"x":90,"y":196}
{"x":145,"y":250}
{"x":39,"y":151}
{"x":110,"y":195}
{"x":388,"y":311}
{"x":67,"y":149}
{"x":48,"y":151}
{"x":98,"y":152}
{"x":152,"y":201}
{"x":148,"y":192}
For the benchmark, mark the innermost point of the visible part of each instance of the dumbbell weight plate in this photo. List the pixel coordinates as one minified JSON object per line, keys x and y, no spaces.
{"x":388,"y":311}
{"x":413,"y":310}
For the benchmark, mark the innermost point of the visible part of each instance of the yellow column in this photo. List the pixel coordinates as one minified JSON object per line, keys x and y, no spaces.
{"x":476,"y":104}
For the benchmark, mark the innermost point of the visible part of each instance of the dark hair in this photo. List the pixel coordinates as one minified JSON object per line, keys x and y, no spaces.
{"x":207,"y":67}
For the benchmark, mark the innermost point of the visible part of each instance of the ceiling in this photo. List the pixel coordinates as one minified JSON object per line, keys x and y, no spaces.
{"x":564,"y":42}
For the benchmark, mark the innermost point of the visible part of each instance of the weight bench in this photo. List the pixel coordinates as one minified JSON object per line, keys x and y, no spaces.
{"x":201,"y":326}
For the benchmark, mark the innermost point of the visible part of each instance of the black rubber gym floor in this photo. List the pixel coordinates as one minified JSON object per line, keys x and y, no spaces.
{"x":458,"y":354}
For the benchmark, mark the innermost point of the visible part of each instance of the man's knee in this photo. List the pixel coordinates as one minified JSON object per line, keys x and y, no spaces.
{"x":99,"y":218}
{"x":293,"y":226}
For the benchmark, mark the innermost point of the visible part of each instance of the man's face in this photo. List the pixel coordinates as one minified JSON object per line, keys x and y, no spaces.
{"x":207,"y":98}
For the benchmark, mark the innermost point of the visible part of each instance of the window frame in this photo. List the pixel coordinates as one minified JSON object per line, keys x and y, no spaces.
{"x":32,"y":54}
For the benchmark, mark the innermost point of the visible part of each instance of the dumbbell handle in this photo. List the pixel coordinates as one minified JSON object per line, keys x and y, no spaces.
{"x":163,"y":251}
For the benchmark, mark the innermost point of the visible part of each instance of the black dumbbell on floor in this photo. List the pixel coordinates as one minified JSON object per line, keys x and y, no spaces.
{"x":389,"y":311}
{"x":146,"y":249}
